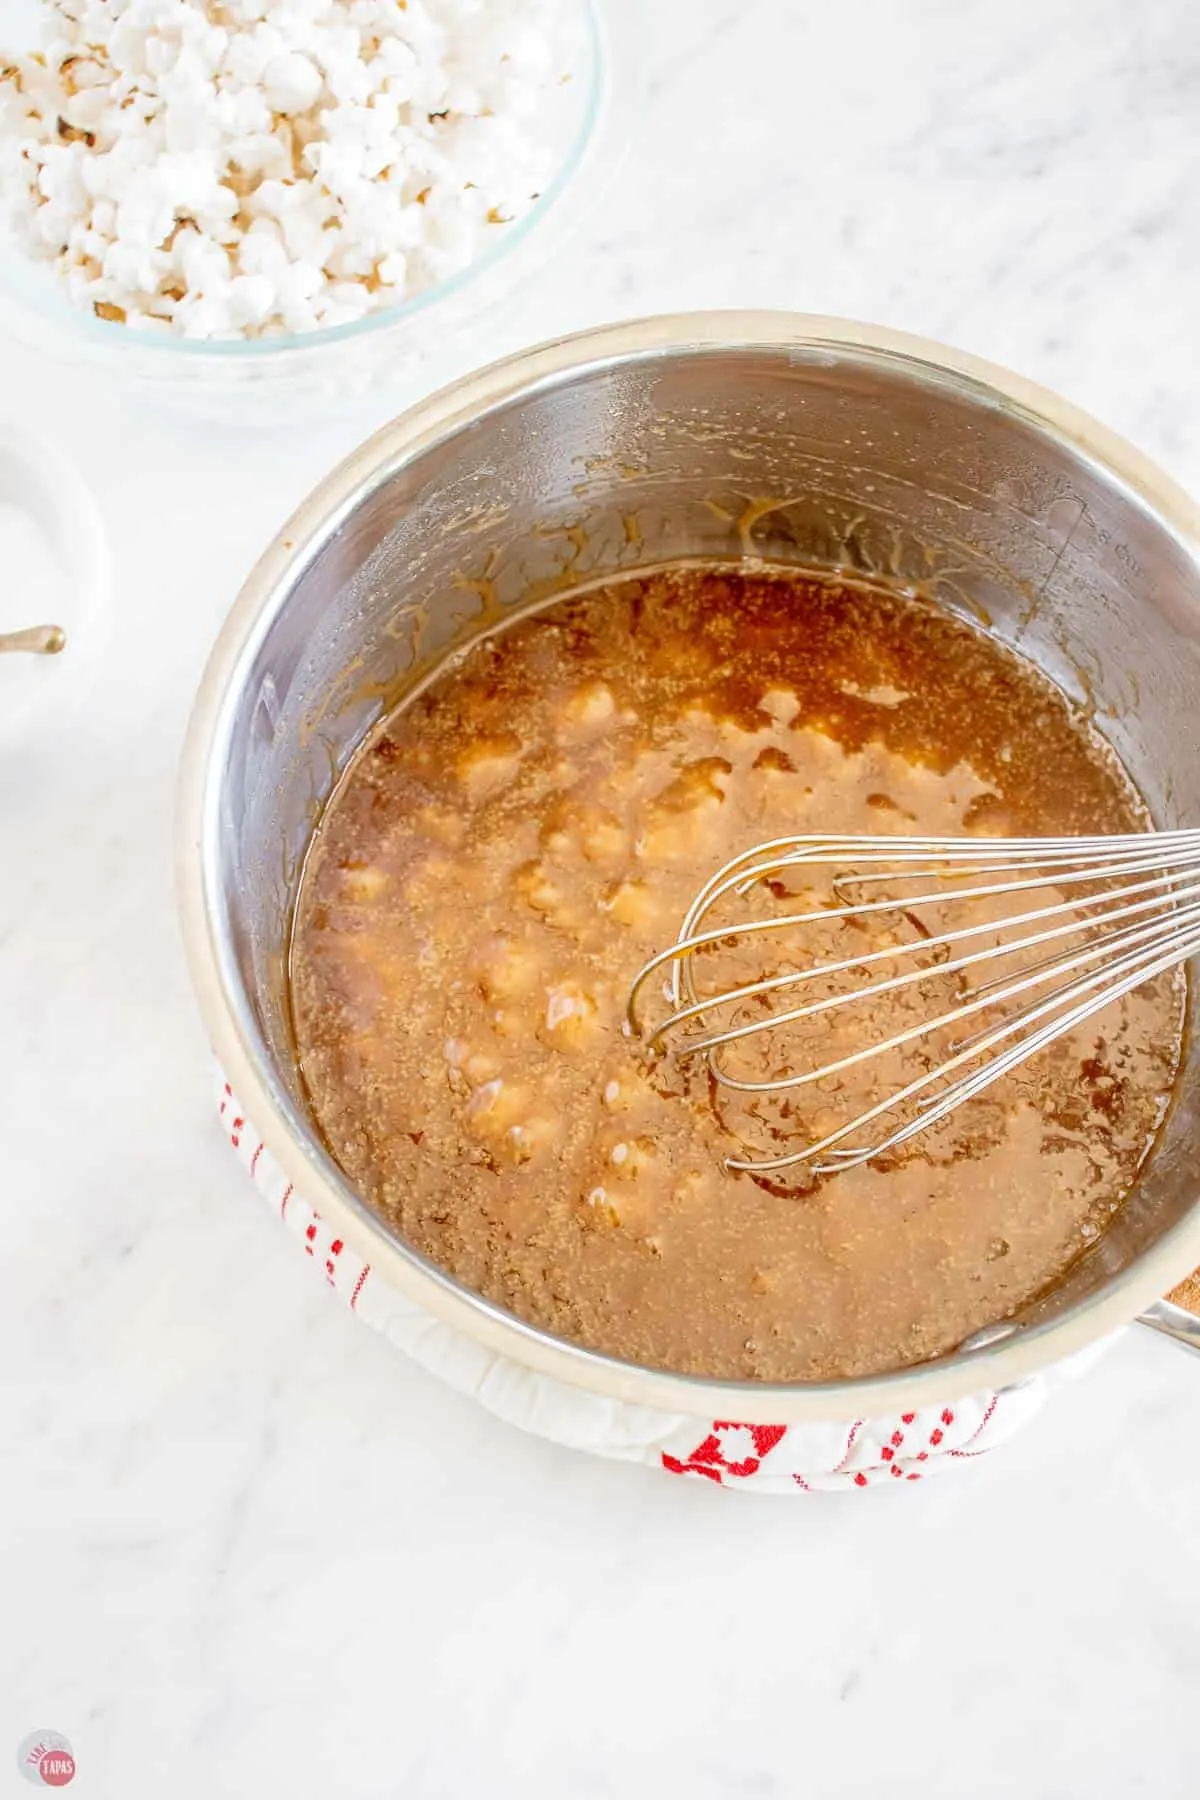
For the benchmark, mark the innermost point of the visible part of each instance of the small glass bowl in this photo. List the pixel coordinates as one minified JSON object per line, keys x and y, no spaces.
{"x":264,"y":380}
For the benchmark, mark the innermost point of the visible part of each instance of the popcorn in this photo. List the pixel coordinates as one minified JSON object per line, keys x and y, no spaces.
{"x":238,"y":168}
{"x":291,"y":83}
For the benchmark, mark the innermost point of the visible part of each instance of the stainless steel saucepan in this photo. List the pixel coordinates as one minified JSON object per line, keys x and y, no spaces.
{"x":723,"y":436}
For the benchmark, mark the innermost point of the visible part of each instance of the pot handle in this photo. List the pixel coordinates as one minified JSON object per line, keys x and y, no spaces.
{"x":1174,"y":1321}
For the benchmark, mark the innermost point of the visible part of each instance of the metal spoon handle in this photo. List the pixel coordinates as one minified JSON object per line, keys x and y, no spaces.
{"x":39,"y":640}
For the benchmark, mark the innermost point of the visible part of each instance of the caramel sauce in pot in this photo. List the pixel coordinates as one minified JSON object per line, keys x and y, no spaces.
{"x":512,"y":844}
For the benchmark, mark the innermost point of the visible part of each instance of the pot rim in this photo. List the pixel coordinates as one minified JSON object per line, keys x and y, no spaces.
{"x":305,"y":1162}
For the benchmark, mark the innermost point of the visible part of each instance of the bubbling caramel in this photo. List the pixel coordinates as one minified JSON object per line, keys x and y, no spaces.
{"x":510,"y":847}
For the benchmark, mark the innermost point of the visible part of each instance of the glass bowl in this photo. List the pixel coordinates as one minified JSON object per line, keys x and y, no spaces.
{"x":266,"y":379}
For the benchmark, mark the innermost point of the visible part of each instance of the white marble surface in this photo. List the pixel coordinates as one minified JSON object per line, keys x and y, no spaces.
{"x":247,"y":1550}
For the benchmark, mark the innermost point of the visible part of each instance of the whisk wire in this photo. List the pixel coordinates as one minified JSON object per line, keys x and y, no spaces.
{"x":793,"y":978}
{"x":925,"y":1028}
{"x":1139,"y":917}
{"x":969,"y":1086}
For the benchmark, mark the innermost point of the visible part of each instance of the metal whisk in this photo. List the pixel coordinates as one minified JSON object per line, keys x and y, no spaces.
{"x":1121,"y":911}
